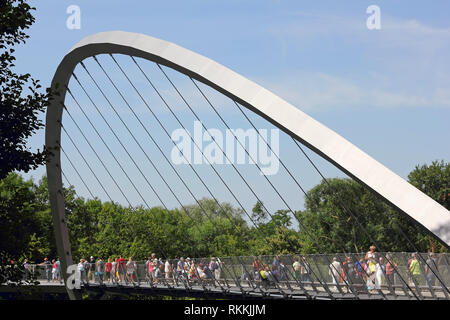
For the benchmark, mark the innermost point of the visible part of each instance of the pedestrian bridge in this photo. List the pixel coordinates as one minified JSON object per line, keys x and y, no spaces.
{"x":113,"y":127}
{"x":239,"y":279}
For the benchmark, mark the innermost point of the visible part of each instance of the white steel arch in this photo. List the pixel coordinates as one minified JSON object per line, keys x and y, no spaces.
{"x":325,"y":142}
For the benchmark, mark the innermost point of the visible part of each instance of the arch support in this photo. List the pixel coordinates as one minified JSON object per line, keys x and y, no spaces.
{"x":322,"y":140}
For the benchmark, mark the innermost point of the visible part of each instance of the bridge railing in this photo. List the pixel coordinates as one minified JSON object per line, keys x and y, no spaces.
{"x":289,"y":273}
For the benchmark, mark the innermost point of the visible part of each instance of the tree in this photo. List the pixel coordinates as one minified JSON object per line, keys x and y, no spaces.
{"x":334,"y":229}
{"x":433,"y":180}
{"x":19,"y":210}
{"x":20,"y":99}
{"x":259,"y":215}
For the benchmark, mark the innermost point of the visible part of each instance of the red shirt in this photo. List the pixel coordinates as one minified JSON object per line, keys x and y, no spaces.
{"x":257,"y":265}
{"x":108,"y":267}
{"x":389,"y":268}
{"x":121,"y":263}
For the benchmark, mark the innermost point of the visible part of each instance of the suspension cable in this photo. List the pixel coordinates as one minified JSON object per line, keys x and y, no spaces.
{"x":92,"y":148}
{"x":118,"y":139}
{"x":131,"y":109}
{"x":287,"y":170}
{"x":78,"y":174}
{"x":218,"y":203}
{"x":188,"y":105}
{"x":446,"y":290}
{"x":290,"y":174}
{"x":285,"y":167}
{"x":185,"y":129}
{"x":226,"y":124}
{"x":144,"y":128}
{"x":87,"y":164}
{"x":355,"y":218}
{"x":237,"y":200}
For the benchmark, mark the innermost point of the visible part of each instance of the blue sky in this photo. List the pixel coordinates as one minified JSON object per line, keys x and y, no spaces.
{"x":387,"y":91}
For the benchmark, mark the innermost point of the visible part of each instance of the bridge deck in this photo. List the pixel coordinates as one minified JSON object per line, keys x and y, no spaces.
{"x":245,"y":291}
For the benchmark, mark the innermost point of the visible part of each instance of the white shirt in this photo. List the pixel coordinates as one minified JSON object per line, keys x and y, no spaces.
{"x":335,"y":268}
{"x":167,"y":267}
{"x":379,"y":269}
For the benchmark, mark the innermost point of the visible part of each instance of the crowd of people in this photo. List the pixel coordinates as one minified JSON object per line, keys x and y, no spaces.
{"x":374,"y":271}
{"x":371,"y":271}
{"x":277,"y":272}
{"x":52,"y":269}
{"x":168,"y":271}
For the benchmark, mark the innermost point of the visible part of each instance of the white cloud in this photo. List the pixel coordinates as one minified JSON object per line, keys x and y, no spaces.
{"x":406,"y":31}
{"x":405,"y":64}
{"x":321,"y":92}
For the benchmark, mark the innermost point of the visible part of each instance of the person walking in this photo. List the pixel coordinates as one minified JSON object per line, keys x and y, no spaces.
{"x":379,"y":273}
{"x":131,"y":271}
{"x":114,"y":274}
{"x":408,"y":264}
{"x":200,"y":274}
{"x":264,"y":273}
{"x":150,"y":270}
{"x":156,"y":270}
{"x":174,"y":264}
{"x":180,"y":269}
{"x":108,"y":267}
{"x":257,"y":267}
{"x":414,"y":270}
{"x":91,"y":272}
{"x":276,"y":263}
{"x":390,"y":273}
{"x":193,"y":271}
{"x":283,"y":275}
{"x":58,"y":271}
{"x":100,"y":269}
{"x":26,"y":267}
{"x":370,"y":270}
{"x":214,"y":268}
{"x":159,"y":271}
{"x":54,"y":274}
{"x":121,"y":269}
{"x":86,"y":269}
{"x":431,"y":269}
{"x":296,"y":266}
{"x":305,"y":270}
{"x":81,"y":270}
{"x":47,"y":267}
{"x":334,"y":270}
{"x":348,"y":272}
{"x":168,"y":270}
{"x":146,"y":268}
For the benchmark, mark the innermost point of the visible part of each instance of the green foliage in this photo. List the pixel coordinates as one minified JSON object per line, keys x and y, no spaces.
{"x":25,"y":220}
{"x":339,"y":210}
{"x":259,"y":215}
{"x":20,"y":99}
{"x":107,"y":230}
{"x":433,"y":180}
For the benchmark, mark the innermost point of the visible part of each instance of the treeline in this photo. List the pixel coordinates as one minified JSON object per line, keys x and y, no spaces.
{"x":331,"y":221}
